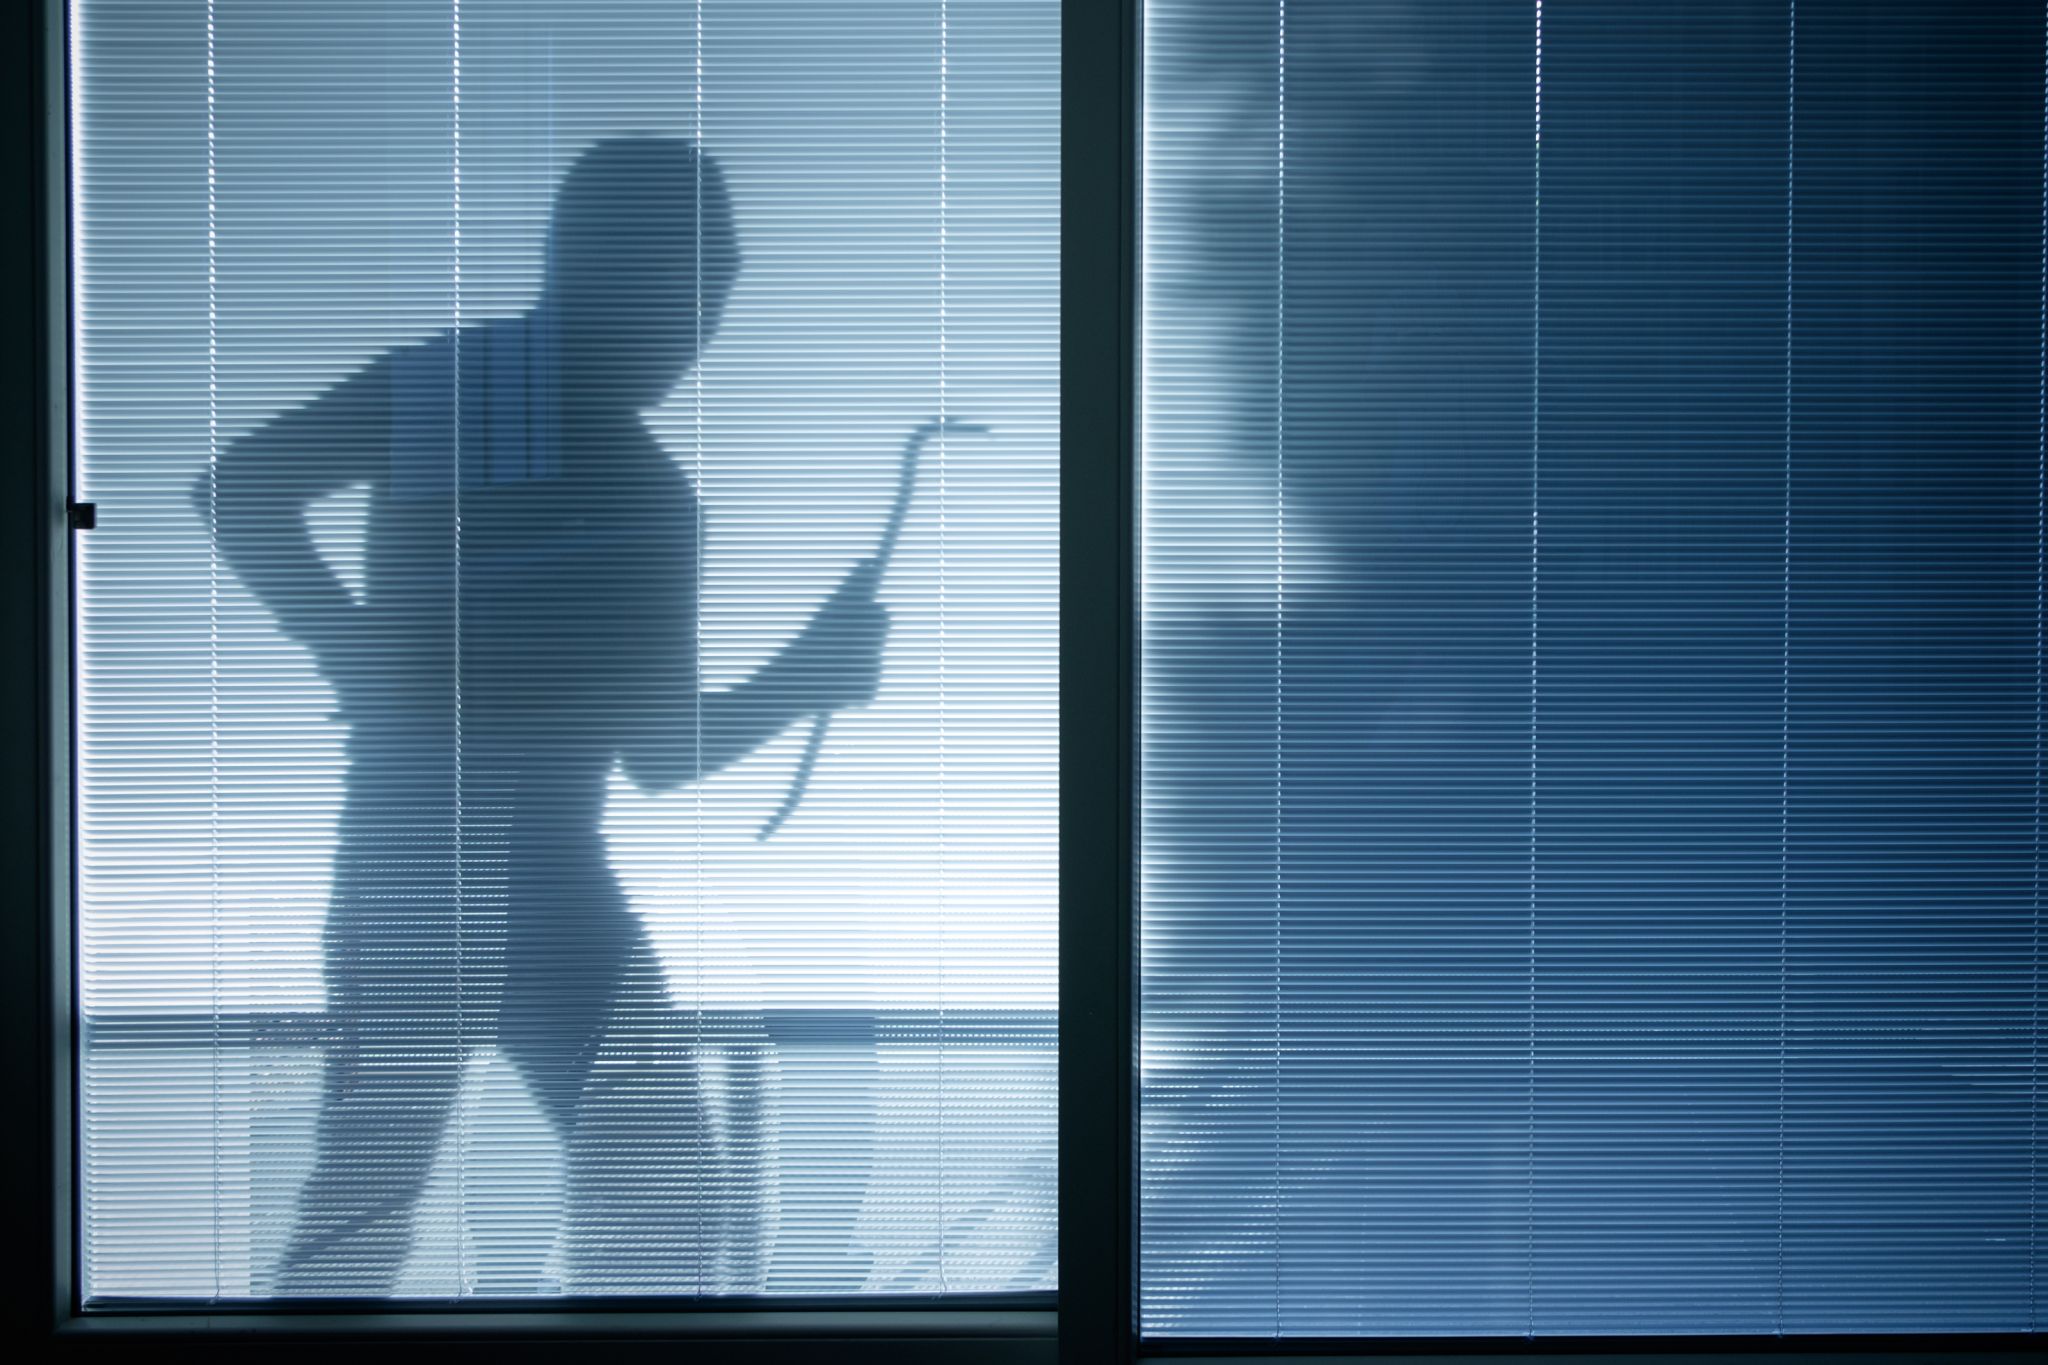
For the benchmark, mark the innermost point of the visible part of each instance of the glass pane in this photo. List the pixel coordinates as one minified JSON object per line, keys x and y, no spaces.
{"x":1592,"y":492}
{"x":567,"y":667}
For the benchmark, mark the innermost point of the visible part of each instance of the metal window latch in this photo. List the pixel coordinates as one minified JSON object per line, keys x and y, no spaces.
{"x":82,"y":516}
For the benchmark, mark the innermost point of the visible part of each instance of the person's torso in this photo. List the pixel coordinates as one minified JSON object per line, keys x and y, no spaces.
{"x":524,"y":555}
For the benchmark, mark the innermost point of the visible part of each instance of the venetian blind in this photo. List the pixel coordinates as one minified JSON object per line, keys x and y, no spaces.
{"x":509,"y":422}
{"x":1592,"y":689}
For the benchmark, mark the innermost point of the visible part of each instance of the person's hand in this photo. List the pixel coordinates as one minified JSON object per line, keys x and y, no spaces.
{"x":950,"y":426}
{"x":836,"y":663}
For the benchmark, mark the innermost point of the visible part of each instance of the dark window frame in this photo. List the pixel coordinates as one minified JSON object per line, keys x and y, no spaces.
{"x":1095,"y":1317}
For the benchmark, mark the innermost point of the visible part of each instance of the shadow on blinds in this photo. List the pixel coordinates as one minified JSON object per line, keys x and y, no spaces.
{"x":566,"y":755}
{"x":527,"y":619}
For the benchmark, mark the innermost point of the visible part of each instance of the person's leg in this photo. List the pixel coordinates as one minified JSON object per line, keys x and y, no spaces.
{"x":641,"y":1162}
{"x":587,"y":1021}
{"x":739,"y":1074}
{"x":563,"y":974}
{"x":391,"y":1078}
{"x":381,"y":1118}
{"x":666,"y":1192}
{"x":409,"y":962}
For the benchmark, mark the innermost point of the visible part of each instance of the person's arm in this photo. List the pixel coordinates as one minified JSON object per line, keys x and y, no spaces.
{"x":834,"y":664}
{"x":254,"y":497}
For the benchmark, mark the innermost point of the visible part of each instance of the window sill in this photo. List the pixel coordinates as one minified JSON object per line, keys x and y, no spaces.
{"x":902,"y":1336}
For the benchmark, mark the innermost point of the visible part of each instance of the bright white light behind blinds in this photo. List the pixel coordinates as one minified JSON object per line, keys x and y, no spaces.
{"x":832,"y":1064}
{"x":1593,"y":492}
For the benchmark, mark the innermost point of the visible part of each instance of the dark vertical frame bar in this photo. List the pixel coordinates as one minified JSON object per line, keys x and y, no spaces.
{"x":1098,"y":280}
{"x":34,"y":707}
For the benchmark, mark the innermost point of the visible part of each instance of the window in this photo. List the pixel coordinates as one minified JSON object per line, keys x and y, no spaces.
{"x":1536,"y":510}
{"x":1591,"y":482}
{"x":501,"y":873}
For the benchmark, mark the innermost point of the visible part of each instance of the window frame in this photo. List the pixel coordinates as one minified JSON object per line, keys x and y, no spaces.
{"x":1095,"y":1317}
{"x":43,"y":1035}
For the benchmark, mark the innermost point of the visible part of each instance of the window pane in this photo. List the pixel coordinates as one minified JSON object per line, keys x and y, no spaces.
{"x":564,"y":386}
{"x":1592,"y":468}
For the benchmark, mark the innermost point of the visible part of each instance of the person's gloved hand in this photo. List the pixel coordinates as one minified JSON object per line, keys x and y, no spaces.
{"x":836,"y":663}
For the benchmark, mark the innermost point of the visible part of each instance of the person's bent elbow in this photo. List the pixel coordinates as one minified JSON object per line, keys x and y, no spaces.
{"x":661,"y":766}
{"x":237,"y":497}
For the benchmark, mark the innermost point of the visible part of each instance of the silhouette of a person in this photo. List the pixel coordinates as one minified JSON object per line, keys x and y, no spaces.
{"x":528,"y":619}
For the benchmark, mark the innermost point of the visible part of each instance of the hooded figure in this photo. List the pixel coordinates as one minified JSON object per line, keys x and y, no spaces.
{"x":528,"y":621}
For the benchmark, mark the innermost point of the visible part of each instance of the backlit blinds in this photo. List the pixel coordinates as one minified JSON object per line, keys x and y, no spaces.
{"x":514,"y":423}
{"x":1592,"y":688}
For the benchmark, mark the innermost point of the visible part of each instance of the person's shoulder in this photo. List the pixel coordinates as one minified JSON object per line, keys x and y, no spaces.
{"x":412,"y":368}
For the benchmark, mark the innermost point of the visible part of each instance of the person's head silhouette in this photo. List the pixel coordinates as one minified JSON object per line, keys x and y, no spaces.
{"x":641,"y":254}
